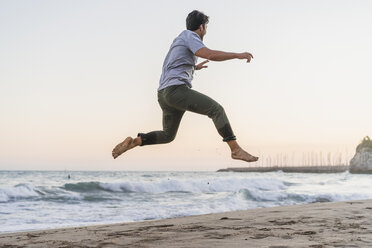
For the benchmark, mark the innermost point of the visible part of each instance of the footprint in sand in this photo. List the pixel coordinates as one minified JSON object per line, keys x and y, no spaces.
{"x":282,"y":223}
{"x":306,"y":233}
{"x":260,"y":236}
{"x":279,"y":246}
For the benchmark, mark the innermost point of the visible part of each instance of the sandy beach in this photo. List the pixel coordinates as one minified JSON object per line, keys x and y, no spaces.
{"x":337,"y":224}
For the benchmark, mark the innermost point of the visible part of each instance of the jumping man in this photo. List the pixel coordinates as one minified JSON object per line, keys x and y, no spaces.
{"x":175,"y":95}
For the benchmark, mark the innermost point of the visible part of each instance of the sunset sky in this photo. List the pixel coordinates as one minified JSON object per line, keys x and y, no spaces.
{"x":77,"y":77}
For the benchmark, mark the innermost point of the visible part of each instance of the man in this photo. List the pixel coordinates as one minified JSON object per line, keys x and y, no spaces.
{"x":175,"y":95}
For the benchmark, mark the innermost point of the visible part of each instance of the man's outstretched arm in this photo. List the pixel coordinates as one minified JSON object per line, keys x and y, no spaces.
{"x":215,"y":55}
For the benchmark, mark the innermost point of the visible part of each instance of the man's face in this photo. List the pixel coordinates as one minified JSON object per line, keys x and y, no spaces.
{"x":203,"y":30}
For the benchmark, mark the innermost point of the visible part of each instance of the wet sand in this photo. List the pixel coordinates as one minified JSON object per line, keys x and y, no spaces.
{"x":339,"y":224}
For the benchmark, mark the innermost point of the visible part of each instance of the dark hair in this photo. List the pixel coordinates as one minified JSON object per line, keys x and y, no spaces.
{"x":195,"y":19}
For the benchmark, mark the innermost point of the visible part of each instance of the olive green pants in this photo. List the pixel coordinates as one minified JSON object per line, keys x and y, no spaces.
{"x":174,"y":101}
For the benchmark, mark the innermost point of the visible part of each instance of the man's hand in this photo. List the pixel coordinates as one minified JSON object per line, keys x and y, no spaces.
{"x":246,"y":56}
{"x":201,"y":65}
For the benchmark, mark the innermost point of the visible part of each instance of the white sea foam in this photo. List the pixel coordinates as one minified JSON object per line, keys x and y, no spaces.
{"x":205,"y":185}
{"x":17,"y":191}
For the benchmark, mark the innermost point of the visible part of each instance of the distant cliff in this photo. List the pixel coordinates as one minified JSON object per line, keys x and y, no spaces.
{"x":362,"y":160}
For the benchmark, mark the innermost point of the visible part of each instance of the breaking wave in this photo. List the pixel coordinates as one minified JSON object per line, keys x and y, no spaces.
{"x":35,"y":200}
{"x":16,"y":192}
{"x":260,"y":189}
{"x":180,"y":185}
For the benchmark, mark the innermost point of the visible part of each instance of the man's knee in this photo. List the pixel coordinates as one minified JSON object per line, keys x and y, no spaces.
{"x":169,"y":136}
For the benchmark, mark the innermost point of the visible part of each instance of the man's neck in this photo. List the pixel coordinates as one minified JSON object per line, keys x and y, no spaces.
{"x":199,"y":33}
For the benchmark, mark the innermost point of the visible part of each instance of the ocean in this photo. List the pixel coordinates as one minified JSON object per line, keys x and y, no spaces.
{"x":35,"y":200}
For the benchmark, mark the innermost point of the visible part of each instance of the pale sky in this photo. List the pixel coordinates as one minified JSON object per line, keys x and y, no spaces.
{"x":77,"y":77}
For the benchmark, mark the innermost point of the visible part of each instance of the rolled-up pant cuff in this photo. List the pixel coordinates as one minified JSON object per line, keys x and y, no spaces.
{"x":144,"y":139}
{"x":229,"y":138}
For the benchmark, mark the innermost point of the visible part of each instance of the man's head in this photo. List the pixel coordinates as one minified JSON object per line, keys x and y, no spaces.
{"x":196,"y":21}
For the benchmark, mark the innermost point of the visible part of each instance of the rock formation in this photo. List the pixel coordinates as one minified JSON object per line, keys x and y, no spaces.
{"x":362,"y":160}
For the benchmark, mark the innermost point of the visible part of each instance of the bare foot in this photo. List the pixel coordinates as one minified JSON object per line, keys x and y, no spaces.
{"x":123,"y":147}
{"x":243,"y":155}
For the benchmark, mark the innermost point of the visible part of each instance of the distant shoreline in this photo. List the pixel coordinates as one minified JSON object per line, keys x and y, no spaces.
{"x":290,"y":169}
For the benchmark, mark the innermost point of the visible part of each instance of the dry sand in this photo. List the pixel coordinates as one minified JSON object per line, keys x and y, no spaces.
{"x":340,"y":224}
